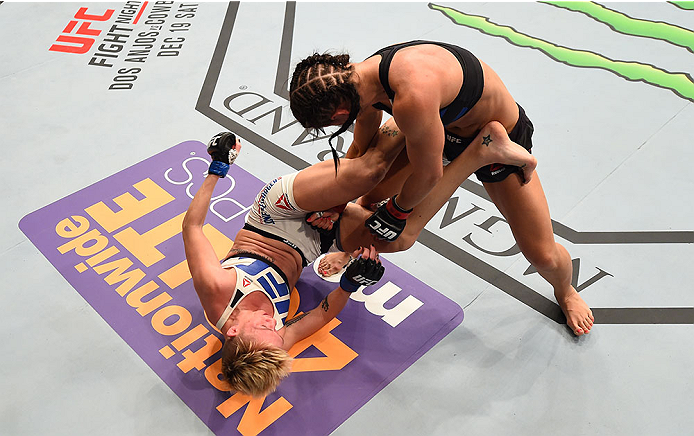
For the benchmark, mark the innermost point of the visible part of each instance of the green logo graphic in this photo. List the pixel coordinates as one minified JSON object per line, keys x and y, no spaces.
{"x":684,"y":5}
{"x":681,"y":84}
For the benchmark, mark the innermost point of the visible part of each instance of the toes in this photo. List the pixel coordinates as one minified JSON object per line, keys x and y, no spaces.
{"x":329,"y":273}
{"x":586,"y":327}
{"x":324,"y":264}
{"x":326,"y":271}
{"x":582,"y":327}
{"x":589,"y":324}
{"x":529,"y":177}
{"x":577,"y":327}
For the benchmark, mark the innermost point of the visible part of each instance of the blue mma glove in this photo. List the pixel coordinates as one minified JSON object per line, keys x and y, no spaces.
{"x":361,"y":272}
{"x":222,"y":148}
{"x":388,"y":222}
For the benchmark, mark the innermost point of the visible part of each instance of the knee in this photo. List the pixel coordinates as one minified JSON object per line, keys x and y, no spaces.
{"x":375,"y":172}
{"x":543,"y":258}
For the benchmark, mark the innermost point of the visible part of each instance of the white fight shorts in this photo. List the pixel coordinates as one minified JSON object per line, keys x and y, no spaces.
{"x":275,"y":211}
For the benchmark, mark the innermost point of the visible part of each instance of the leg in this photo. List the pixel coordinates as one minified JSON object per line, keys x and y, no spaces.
{"x":526,"y":211}
{"x":333,"y":263}
{"x":317,"y":188}
{"x":479,"y":153}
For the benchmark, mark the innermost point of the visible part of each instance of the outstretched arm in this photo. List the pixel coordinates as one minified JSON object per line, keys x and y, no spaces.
{"x":207,"y":273}
{"x":365,"y":271}
{"x":202,"y":261}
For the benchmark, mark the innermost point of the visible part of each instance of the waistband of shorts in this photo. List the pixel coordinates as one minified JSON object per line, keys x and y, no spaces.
{"x":521,"y":117}
{"x":267,"y":234}
{"x":251,"y":255}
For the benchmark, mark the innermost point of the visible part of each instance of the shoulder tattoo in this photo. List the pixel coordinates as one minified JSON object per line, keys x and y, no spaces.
{"x":388,"y":131}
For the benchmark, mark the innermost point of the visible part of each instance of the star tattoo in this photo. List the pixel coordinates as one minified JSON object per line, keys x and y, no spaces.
{"x":388,"y":131}
{"x":486,"y":140}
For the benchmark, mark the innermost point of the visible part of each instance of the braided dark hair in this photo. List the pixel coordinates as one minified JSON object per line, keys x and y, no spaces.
{"x":320,"y":84}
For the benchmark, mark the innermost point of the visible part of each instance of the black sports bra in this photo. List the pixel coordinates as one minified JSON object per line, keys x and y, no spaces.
{"x":470,"y":91}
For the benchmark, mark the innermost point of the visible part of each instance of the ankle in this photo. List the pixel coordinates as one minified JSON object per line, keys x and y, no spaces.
{"x":565,"y":293}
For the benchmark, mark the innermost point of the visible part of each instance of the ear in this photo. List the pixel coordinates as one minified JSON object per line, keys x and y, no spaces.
{"x":233,"y":331}
{"x":340,"y":113}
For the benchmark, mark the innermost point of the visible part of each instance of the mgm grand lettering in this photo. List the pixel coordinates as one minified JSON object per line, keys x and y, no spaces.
{"x":482,"y":223}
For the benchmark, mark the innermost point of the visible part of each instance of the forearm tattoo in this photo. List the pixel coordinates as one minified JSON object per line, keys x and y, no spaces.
{"x":388,"y":131}
{"x":295,"y":319}
{"x":325,"y":304}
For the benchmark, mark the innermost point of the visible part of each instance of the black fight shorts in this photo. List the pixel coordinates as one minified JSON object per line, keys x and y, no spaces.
{"x":521,"y":134}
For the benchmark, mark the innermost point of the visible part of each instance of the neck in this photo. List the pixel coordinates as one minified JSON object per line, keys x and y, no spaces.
{"x":256,"y":300}
{"x":367,"y":83}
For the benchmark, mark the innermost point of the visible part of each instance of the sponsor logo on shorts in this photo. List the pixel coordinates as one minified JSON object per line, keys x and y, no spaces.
{"x":496,"y":169}
{"x":283,"y":203}
{"x":262,"y":205}
{"x":451,"y":138}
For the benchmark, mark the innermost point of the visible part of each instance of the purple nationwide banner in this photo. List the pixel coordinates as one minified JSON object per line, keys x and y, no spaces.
{"x":118,"y":243}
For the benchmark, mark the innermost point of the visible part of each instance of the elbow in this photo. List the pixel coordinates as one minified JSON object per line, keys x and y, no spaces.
{"x":433,"y":175}
{"x":439,"y":173}
{"x":187,"y":225}
{"x":428,"y":169}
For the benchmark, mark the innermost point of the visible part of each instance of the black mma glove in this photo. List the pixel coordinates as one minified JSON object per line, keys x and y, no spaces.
{"x":222,"y":149}
{"x":361,"y":272}
{"x":388,"y":221}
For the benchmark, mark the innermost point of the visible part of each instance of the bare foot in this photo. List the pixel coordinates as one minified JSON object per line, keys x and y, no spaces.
{"x":578,"y":315}
{"x":496,"y":147}
{"x":332,"y":263}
